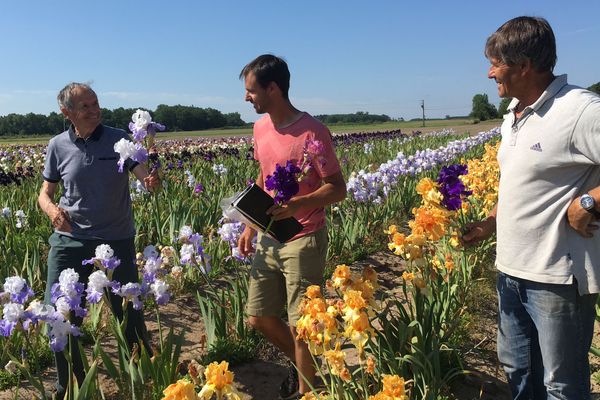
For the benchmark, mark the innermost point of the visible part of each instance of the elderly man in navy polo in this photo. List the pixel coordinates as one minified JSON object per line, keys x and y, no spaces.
{"x":94,"y":208}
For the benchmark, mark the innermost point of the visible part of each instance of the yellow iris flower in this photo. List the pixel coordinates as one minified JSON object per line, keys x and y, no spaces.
{"x":219,"y":381}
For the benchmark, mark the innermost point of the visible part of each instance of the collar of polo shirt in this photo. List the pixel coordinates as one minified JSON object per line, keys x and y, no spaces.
{"x":95,"y":136}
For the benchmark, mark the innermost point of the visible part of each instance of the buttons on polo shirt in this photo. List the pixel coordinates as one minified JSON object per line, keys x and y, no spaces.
{"x":88,"y":158}
{"x":513,"y":135}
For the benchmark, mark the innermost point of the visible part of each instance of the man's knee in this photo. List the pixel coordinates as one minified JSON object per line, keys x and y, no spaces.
{"x":256,"y":322}
{"x":264,"y":323}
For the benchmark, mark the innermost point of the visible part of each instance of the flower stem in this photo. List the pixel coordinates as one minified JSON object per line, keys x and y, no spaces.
{"x":269,"y":225}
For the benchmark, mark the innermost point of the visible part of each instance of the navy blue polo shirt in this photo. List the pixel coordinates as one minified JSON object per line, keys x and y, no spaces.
{"x":95,"y":194}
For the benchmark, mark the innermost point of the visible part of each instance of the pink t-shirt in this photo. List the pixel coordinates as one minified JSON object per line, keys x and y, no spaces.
{"x":276,"y":146}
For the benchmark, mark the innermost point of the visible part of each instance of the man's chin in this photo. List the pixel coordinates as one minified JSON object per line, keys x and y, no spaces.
{"x":94,"y":124}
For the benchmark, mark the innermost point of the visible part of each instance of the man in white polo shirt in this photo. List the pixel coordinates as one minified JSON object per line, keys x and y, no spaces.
{"x":548,"y":250}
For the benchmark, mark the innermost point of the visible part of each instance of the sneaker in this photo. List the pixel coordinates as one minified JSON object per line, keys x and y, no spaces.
{"x":289,"y":387}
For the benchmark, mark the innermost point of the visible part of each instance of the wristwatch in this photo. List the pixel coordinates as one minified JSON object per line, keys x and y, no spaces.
{"x":588,"y":203}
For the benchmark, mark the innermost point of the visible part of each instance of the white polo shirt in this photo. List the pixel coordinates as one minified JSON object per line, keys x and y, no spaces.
{"x":548,"y":157}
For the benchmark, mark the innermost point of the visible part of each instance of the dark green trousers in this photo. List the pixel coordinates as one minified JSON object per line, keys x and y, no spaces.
{"x":67,"y":252}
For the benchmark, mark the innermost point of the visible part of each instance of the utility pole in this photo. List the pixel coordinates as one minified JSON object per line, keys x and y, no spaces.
{"x":423,"y":107}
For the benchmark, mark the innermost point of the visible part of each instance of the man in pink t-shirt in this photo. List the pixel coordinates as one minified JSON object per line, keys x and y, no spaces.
{"x":281,"y":272}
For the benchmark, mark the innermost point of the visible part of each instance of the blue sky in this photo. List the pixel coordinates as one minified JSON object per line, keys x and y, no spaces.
{"x":344,"y":56}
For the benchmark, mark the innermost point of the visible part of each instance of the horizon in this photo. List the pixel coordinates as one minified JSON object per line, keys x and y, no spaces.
{"x":381,"y":58}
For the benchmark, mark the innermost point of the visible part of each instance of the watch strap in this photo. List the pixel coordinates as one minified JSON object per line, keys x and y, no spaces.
{"x":594,"y":212}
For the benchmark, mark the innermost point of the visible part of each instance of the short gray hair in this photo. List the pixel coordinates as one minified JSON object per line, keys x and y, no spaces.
{"x":524,"y":38}
{"x":65,"y":95}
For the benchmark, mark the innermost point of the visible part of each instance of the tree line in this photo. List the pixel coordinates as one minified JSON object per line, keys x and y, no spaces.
{"x":190,"y":118}
{"x":484,"y":110}
{"x":359,"y":117}
{"x":175,"y":118}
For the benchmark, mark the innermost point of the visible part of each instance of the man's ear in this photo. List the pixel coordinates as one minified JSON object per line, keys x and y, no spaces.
{"x":272,"y":88}
{"x":526,"y":67}
{"x":65,"y":112}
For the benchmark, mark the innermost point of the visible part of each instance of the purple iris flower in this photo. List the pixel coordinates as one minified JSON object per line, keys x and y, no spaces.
{"x":131,"y":292}
{"x":284,"y":182}
{"x":6,"y":327}
{"x":141,"y":154}
{"x":452,"y":187}
{"x":120,"y":165}
{"x":12,"y":314}
{"x":18,"y":289}
{"x":138,"y":134}
{"x":163,"y":299}
{"x":110,"y":263}
{"x":70,"y":292}
{"x":59,"y":332}
{"x":153,"y":127}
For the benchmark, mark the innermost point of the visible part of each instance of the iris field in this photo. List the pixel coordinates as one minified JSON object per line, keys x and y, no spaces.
{"x":410,"y":194}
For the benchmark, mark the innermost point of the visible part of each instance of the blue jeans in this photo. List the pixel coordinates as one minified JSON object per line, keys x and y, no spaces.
{"x":544,"y":336}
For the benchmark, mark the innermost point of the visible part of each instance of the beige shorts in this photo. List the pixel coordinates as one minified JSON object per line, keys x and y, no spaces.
{"x":281,"y":273}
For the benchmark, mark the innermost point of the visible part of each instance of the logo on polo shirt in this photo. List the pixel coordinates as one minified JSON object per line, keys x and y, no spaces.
{"x":537,"y":147}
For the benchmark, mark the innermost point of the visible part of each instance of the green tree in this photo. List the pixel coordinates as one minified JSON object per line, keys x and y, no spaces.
{"x":358,"y":117}
{"x":166,"y":115}
{"x":56,"y":123}
{"x":482,"y":108}
{"x":595,"y":88}
{"x":234,"y":119}
{"x":503,"y":107}
{"x":187,"y":118}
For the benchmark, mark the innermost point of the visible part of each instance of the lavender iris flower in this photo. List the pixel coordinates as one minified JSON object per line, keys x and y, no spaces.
{"x":67,"y":292}
{"x":152,"y":284}
{"x":97,"y":282}
{"x":230,"y":232}
{"x":59,"y":331}
{"x":160,"y":290}
{"x":191,"y":251}
{"x":104,"y":258}
{"x":153,"y":127}
{"x":12,"y":313}
{"x":369,"y":186}
{"x":141,"y":154}
{"x":131,"y":292}
{"x":138,"y":134}
{"x":16,"y":287}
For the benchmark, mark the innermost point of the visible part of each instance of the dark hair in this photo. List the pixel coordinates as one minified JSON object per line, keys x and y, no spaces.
{"x":524,"y":38}
{"x":269,"y":68}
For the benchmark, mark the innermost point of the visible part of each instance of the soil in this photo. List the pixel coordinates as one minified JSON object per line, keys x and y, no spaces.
{"x":260,"y":378}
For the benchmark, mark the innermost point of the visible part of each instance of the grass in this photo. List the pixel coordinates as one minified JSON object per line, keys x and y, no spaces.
{"x":234,"y":351}
{"x":459,"y":125}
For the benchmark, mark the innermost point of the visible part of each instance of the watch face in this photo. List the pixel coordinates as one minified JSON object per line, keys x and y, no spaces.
{"x":587,"y":202}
